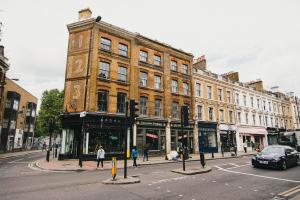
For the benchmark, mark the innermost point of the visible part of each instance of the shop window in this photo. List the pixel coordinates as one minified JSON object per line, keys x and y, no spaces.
{"x":16,"y":105}
{"x":8,"y":103}
{"x":102,"y":100}
{"x":12,"y":124}
{"x":5,"y":123}
{"x":152,"y":138}
{"x":33,"y":113}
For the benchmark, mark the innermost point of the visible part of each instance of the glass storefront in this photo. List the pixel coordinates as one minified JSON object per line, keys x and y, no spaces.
{"x":152,"y":138}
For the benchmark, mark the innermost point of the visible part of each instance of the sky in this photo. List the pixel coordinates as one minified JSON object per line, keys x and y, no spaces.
{"x":257,"y":38}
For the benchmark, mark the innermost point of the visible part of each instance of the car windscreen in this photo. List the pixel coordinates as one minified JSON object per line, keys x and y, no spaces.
{"x":273,"y":150}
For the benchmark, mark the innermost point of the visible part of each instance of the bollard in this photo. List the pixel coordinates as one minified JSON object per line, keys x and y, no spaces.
{"x":114,"y":168}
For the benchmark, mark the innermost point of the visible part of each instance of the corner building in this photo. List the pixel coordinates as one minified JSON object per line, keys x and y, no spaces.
{"x":107,"y":66}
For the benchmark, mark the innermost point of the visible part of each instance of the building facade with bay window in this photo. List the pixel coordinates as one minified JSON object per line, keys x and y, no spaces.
{"x":107,"y":66}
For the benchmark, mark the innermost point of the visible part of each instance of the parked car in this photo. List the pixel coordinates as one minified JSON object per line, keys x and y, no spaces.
{"x":276,"y":156}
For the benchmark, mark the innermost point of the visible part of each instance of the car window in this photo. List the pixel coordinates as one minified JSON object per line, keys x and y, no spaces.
{"x":273,"y":150}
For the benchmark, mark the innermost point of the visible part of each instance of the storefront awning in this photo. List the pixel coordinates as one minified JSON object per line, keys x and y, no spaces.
{"x":253,"y":130}
{"x":227,"y":127}
{"x":151,"y":135}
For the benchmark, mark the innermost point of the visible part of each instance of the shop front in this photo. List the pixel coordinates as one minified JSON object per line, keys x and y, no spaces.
{"x":151,"y":134}
{"x":227,"y":137}
{"x":182,"y":137}
{"x":207,"y":134}
{"x":273,"y":134}
{"x":93,"y":131}
{"x":253,"y":137}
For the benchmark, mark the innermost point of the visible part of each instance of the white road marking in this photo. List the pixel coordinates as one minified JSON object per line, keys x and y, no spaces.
{"x":240,"y":187}
{"x":168,"y":191}
{"x":226,"y":184}
{"x":149,"y":184}
{"x":272,"y":193}
{"x":260,"y":176}
{"x":168,"y":180}
{"x":239,"y":166}
{"x":214,"y":181}
{"x":180,"y":195}
{"x":158,"y":187}
{"x":255,"y":190}
{"x":13,"y":162}
{"x":16,"y":160}
{"x":234,"y":164}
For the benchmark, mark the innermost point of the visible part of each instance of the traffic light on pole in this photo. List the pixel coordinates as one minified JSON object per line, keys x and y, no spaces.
{"x":133,"y":108}
{"x":185,"y":115}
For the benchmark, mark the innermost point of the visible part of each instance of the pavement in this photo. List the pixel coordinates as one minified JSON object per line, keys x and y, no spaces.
{"x":72,"y":164}
{"x":16,"y":154}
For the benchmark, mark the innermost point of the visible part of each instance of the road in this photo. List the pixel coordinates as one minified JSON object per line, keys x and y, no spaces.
{"x":231,"y":179}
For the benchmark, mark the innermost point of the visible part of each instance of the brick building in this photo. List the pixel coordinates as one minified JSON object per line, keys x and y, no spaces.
{"x":19,"y":114}
{"x":107,"y":66}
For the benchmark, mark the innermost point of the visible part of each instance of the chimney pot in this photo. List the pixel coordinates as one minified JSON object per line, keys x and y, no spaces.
{"x":84,"y":14}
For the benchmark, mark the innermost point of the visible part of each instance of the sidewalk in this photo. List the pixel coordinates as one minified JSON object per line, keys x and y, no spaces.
{"x":72,"y":164}
{"x":14,"y":154}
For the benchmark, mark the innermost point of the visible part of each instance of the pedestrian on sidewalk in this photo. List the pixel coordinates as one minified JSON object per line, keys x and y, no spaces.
{"x":245,"y":146}
{"x":134,"y":154}
{"x":100,"y":157}
{"x":44,"y":146}
{"x":145,"y":154}
{"x":252,"y":145}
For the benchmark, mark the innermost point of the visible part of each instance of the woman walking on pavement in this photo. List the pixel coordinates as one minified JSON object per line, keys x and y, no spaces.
{"x":134,"y":154}
{"x":100,"y":156}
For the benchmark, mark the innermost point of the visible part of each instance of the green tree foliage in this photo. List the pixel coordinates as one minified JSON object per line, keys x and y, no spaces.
{"x":51,"y":107}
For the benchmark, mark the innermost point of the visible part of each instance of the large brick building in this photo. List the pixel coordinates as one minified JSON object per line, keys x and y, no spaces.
{"x":19,"y":114}
{"x":106,"y":66}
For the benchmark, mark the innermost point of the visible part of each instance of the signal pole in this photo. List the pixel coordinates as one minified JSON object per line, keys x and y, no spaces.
{"x":126,"y":135}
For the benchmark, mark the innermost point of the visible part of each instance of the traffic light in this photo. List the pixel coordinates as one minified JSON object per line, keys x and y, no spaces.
{"x":133,"y":108}
{"x":185,"y":115}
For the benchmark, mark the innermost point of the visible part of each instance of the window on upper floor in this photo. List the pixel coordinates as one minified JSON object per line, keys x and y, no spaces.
{"x":185,"y":89}
{"x":104,"y":70}
{"x":252,"y":102}
{"x":198,"y":89}
{"x":157,"y":82}
{"x":200,"y":112}
{"x":237,"y":99}
{"x":264,"y":105}
{"x":220,"y":96}
{"x":260,"y":120}
{"x":175,"y":110}
{"x":210,"y":114}
{"x":230,"y":116}
{"x":245,"y":100}
{"x":222,"y":115}
{"x":266,"y":121}
{"x":270,"y":107}
{"x":123,"y":50}
{"x":102,"y":100}
{"x":258,"y":103}
{"x":272,"y":122}
{"x":174,"y":86}
{"x":143,"y":106}
{"x":254,"y":119}
{"x":158,"y":108}
{"x":247,"y":118}
{"x":143,"y":79}
{"x":173,"y":65}
{"x":105,"y":44}
{"x":16,"y":105}
{"x":157,"y":60}
{"x":121,"y":100}
{"x":239,"y":117}
{"x":209,"y":92}
{"x":228,"y":97}
{"x":143,"y":56}
{"x":122,"y":74}
{"x":184,"y":69}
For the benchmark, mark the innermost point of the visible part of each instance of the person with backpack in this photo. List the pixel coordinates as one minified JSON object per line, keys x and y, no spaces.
{"x":100,"y":157}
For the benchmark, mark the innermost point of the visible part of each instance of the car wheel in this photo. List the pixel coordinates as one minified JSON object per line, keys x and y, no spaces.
{"x":283,"y":165}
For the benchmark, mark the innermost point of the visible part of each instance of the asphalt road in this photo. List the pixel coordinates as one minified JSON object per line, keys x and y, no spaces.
{"x":231,"y":179}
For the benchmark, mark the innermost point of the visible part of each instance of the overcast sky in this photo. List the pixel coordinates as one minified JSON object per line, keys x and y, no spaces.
{"x":259,"y":39}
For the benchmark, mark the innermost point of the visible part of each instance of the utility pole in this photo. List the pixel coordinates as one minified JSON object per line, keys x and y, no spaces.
{"x":51,"y":124}
{"x":126,"y":135}
{"x":184,"y":122}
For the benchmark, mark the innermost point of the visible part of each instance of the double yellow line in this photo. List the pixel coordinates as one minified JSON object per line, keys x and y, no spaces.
{"x":290,"y":192}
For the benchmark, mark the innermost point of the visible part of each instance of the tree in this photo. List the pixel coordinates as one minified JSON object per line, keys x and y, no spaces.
{"x":51,"y":107}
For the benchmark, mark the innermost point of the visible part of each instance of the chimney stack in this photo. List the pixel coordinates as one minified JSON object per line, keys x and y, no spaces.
{"x":258,"y":84}
{"x":200,"y":63}
{"x":84,"y":14}
{"x":233,"y":76}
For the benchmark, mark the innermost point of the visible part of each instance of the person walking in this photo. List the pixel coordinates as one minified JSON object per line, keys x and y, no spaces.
{"x":44,"y":146}
{"x":100,"y":157}
{"x":134,"y":154}
{"x":145,"y":154}
{"x":245,"y":146}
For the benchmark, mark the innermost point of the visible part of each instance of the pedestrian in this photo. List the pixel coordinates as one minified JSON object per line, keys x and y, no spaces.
{"x":245,"y":146}
{"x":145,"y":154}
{"x":100,"y":157}
{"x":44,"y":146}
{"x":252,"y":145}
{"x":134,"y":154}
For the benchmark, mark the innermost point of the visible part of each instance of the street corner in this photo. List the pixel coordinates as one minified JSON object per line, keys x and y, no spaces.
{"x":121,"y":181}
{"x":53,"y":166}
{"x":193,"y":171}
